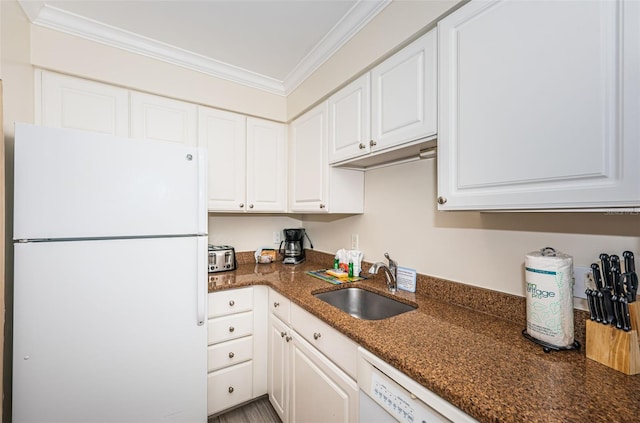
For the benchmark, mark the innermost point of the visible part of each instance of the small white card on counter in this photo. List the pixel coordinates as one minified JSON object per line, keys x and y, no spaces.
{"x":406,"y":279}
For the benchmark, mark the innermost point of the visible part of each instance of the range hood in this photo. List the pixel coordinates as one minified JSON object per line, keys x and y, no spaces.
{"x":424,"y":148}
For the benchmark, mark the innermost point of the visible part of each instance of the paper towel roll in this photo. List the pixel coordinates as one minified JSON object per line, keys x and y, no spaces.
{"x":549,"y":279}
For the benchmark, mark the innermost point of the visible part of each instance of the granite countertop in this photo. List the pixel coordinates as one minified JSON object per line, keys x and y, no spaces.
{"x":478,"y":362}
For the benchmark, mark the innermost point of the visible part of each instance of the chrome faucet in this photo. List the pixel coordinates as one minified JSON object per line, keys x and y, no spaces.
{"x":390,"y":272}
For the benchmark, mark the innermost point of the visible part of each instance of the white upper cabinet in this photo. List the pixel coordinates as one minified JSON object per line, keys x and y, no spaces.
{"x":539,"y":105}
{"x":266,"y":165}
{"x":404,"y":94}
{"x":350,"y":120}
{"x":314,"y":186}
{"x":74,"y":103}
{"x":163,"y":119}
{"x":223,"y":134}
{"x":389,"y":113}
{"x":247,"y":162}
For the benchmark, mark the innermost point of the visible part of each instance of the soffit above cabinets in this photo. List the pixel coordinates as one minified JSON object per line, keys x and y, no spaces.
{"x":272,"y":45}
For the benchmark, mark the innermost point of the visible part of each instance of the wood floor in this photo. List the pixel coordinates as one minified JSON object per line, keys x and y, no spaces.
{"x":259,"y":411}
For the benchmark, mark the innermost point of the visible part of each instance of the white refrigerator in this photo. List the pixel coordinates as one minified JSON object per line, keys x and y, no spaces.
{"x":110,"y":279}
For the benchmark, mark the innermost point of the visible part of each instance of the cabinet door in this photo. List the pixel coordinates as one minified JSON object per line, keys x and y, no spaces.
{"x":163,"y":119}
{"x":223,"y":134}
{"x":278,"y":367}
{"x":266,"y":166}
{"x":314,"y":377}
{"x":350,"y":120}
{"x":404,"y":95}
{"x":74,"y":103}
{"x":538,"y":116}
{"x":309,"y":165}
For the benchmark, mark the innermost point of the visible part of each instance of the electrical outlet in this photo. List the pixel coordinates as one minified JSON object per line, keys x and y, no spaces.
{"x":276,"y":237}
{"x":583,"y":280}
{"x":354,"y":241}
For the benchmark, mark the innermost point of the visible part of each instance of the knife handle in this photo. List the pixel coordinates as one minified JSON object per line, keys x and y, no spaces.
{"x":617,"y":310}
{"x":606,"y":270}
{"x":624,"y":312}
{"x":591,"y":304}
{"x":629,"y":262}
{"x":595,"y":270}
{"x":603,"y":309}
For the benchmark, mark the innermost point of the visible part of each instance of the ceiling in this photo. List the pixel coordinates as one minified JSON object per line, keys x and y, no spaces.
{"x":272,"y":45}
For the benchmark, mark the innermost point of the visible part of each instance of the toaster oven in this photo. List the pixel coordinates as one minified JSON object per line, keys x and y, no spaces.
{"x":221,"y":258}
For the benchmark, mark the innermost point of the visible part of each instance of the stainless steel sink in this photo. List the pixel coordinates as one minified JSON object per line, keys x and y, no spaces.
{"x":364,"y":304}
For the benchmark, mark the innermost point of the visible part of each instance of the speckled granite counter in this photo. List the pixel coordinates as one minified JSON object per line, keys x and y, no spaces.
{"x":476,"y":361}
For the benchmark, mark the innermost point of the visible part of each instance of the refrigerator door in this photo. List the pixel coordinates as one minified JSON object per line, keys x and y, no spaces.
{"x":108,"y":331}
{"x":77,"y":184}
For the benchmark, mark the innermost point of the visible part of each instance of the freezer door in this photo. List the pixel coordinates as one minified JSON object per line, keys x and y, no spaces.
{"x":77,"y":184}
{"x":108,"y":331}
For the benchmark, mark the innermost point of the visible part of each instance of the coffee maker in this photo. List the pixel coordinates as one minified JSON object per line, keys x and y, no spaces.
{"x":294,"y":245}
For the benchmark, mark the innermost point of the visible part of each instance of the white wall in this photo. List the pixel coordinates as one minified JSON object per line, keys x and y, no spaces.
{"x":248,"y":232}
{"x":481,"y":249}
{"x":73,"y":55}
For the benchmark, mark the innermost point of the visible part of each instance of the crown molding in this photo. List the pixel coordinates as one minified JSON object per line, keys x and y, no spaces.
{"x":39,"y":13}
{"x":356,"y":18}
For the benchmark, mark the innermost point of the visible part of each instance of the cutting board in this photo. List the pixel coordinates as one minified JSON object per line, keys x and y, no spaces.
{"x":322,"y":274}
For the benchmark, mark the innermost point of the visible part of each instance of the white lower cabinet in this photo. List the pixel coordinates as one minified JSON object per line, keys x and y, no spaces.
{"x":309,"y":383}
{"x":319,"y":390}
{"x":236,"y":357}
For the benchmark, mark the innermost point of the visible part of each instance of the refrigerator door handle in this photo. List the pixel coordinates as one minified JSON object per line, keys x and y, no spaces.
{"x":202,"y":190}
{"x":202,"y":280}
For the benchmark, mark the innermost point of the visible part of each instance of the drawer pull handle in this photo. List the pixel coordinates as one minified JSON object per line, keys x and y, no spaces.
{"x":231,"y":328}
{"x":241,"y":205}
{"x":282,"y":334}
{"x":231,"y":355}
{"x":362,"y":146}
{"x":288,"y":338}
{"x":232,"y":303}
{"x":372,"y":143}
{"x":276,"y":304}
{"x":316,"y":335}
{"x":231,"y":389}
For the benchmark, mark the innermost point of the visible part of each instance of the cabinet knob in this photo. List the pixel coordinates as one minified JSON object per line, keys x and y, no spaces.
{"x":322,"y":206}
{"x":232,"y":303}
{"x":316,"y":335}
{"x":241,"y":205}
{"x":231,"y":355}
{"x":288,"y":338}
{"x":276,"y":304}
{"x":231,"y":389}
{"x":372,"y":143}
{"x":282,"y":334}
{"x":231,"y":328}
{"x":442,"y":200}
{"x":362,"y":146}
{"x":250,"y":206}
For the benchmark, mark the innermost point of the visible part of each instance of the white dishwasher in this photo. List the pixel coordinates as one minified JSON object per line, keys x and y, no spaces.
{"x":388,"y":396}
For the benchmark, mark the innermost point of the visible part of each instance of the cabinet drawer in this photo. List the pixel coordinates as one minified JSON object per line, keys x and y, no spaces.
{"x":231,"y":301}
{"x":229,"y":387}
{"x":336,"y":346}
{"x":226,"y":354}
{"x":230,"y":327}
{"x":279,"y":305}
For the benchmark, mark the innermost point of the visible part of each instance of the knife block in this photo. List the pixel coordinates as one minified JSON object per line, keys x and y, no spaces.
{"x":613,"y":347}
